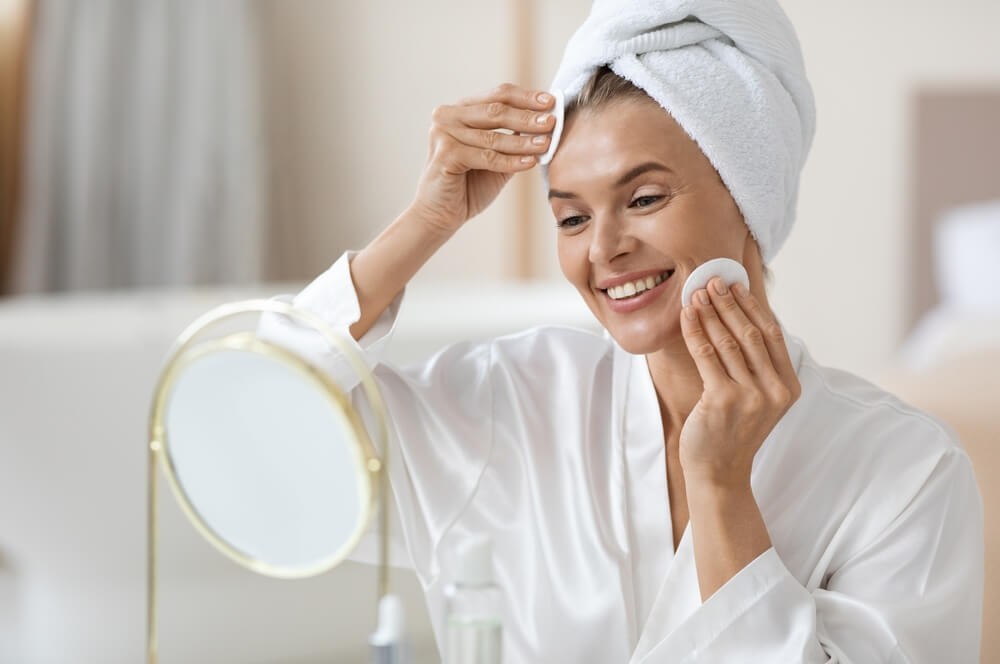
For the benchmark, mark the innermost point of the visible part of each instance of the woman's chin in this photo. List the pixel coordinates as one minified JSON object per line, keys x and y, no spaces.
{"x":648,"y":330}
{"x":642,"y":340}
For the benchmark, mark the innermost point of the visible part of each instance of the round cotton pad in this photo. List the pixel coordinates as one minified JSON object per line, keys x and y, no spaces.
{"x":730,"y":270}
{"x":557,"y":131}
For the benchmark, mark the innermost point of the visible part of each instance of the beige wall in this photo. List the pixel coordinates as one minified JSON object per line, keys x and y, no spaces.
{"x":839,"y":279}
{"x":348,"y":142}
{"x":351,"y":88}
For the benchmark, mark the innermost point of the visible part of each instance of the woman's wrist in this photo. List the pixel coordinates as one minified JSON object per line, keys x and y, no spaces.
{"x":435,"y":225}
{"x":384,"y":267}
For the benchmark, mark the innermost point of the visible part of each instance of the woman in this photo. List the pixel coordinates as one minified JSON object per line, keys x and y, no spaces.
{"x":692,"y":486}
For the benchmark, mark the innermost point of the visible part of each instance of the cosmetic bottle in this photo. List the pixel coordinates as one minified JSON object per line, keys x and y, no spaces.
{"x":473,"y":624}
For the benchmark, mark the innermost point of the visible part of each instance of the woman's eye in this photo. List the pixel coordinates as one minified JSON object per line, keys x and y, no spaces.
{"x":642,"y":198}
{"x":569,"y":222}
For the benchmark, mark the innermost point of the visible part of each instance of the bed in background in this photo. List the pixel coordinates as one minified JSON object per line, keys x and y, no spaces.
{"x":949,"y":362}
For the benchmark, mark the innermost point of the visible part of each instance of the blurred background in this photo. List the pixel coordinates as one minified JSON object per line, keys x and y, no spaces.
{"x":160,"y":157}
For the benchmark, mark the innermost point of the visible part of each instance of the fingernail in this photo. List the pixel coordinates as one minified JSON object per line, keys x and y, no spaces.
{"x":740,"y":290}
{"x":527,"y":159}
{"x":542,"y":119}
{"x":720,"y":286}
{"x":543,"y":97}
{"x":538,"y":140}
{"x":702,"y":296}
{"x":690,"y":312}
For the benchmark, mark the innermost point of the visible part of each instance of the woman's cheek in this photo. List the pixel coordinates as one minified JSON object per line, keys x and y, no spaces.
{"x":573,"y":261}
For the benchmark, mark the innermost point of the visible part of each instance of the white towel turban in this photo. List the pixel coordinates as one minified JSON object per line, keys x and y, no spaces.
{"x":730,"y":72}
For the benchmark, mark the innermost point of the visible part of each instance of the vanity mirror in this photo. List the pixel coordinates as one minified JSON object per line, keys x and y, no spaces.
{"x":263,"y":450}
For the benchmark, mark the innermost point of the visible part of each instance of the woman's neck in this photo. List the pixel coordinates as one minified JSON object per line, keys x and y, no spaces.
{"x":678,"y":386}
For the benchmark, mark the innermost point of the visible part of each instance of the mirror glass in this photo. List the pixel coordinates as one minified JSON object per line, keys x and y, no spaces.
{"x":266,"y":456}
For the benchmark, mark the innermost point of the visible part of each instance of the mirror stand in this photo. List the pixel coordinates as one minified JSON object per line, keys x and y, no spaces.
{"x":372,"y":476}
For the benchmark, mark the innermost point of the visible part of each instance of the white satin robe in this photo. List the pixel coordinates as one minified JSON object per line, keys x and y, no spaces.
{"x":551,"y":441}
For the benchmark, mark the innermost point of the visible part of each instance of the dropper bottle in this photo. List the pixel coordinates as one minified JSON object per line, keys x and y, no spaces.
{"x":473,"y":624}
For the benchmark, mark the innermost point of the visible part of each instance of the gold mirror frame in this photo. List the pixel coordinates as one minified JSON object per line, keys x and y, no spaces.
{"x":367,"y":462}
{"x":372,"y":470}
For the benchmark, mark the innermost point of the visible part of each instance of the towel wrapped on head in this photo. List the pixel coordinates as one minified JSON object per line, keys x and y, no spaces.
{"x":730,"y":73}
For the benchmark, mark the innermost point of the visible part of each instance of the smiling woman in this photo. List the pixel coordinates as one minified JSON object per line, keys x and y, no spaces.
{"x":691,"y":485}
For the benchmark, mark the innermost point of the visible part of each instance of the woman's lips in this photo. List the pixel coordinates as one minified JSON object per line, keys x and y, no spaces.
{"x":630,"y":304}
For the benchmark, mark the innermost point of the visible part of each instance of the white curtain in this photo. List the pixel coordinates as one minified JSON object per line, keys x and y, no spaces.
{"x":144,"y":149}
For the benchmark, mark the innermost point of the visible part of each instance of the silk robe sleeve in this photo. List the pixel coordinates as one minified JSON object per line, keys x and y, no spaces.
{"x":912,"y":595}
{"x":440,"y":417}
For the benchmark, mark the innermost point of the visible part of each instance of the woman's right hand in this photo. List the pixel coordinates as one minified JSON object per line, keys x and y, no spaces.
{"x":468,"y":163}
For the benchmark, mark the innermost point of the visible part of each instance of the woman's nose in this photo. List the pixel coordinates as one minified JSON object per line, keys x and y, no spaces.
{"x":609,"y":239}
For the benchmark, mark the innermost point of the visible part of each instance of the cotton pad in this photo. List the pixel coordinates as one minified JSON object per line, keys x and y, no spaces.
{"x":557,"y":111}
{"x":731,"y":272}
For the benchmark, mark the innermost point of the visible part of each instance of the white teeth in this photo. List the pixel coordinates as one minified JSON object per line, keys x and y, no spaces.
{"x":635,"y":287}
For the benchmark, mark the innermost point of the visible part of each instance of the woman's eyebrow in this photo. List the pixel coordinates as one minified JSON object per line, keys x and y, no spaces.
{"x":630,"y":175}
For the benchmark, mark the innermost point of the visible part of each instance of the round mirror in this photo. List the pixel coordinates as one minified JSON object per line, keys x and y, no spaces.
{"x":266,"y":456}
{"x":263,"y":450}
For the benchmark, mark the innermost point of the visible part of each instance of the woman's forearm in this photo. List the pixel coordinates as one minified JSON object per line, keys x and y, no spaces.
{"x":728,"y":532}
{"x":386,"y":265}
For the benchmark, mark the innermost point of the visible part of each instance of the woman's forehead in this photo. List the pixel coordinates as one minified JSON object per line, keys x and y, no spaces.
{"x":605,"y":145}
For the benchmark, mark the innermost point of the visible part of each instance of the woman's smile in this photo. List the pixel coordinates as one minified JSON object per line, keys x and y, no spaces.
{"x":635,"y":294}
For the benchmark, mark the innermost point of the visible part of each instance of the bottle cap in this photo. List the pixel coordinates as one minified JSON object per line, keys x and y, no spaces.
{"x":391,"y":623}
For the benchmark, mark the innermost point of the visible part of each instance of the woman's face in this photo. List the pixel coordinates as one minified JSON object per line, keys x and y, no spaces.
{"x":635,"y":198}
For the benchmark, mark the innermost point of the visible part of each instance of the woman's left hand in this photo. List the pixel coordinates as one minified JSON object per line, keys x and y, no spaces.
{"x":749,"y":384}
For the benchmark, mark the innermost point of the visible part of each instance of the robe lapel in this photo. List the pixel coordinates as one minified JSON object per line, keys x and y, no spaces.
{"x":650,"y":533}
{"x":678,"y":598}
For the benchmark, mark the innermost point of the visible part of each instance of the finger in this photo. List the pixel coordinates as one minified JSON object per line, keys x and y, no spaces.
{"x":497,"y":115}
{"x":494,"y":115}
{"x":774,"y":339}
{"x":749,"y":336}
{"x":713,"y":373}
{"x":500,"y":142}
{"x":457,"y":157}
{"x":723,"y":340}
{"x":512,"y":95}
